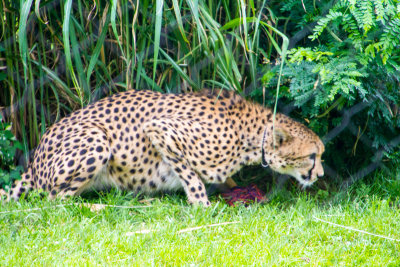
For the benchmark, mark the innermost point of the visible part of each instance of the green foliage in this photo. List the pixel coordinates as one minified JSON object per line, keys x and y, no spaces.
{"x":334,"y":76}
{"x":8,"y":146}
{"x":358,"y":36}
{"x":373,"y":27}
{"x":370,"y":32}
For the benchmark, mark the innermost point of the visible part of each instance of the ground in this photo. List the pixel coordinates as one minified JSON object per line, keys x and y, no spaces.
{"x":283,"y":232}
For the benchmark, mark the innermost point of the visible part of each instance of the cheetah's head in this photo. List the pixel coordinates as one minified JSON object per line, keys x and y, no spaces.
{"x":293,"y":149}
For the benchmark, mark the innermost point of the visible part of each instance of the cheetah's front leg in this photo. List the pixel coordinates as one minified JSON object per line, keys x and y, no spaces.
{"x":163,"y":136}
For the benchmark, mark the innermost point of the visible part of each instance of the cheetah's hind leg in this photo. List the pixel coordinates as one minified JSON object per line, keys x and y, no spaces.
{"x":81,"y":167}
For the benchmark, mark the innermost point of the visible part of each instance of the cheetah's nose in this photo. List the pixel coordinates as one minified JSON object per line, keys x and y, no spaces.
{"x":305,"y":177}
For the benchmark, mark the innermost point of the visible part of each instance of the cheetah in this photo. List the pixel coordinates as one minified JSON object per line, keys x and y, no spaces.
{"x":145,"y":141}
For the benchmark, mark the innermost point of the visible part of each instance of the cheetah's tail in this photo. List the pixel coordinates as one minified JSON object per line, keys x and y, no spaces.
{"x":19,"y":187}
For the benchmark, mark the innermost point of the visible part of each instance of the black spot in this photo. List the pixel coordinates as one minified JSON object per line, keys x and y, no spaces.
{"x":152,"y":184}
{"x":63,"y":186}
{"x":79,"y":179}
{"x":90,"y":161}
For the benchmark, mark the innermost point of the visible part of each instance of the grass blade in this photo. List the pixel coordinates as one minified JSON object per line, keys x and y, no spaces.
{"x":53,"y":76}
{"x":98,"y":47}
{"x":37,"y":11}
{"x":78,"y":63}
{"x":114,"y":26}
{"x":157,"y":34}
{"x":179,"y":19}
{"x":194,"y":8}
{"x":179,"y":70}
{"x":244,"y":24}
{"x":23,"y":45}
{"x":67,"y":49}
{"x":152,"y":83}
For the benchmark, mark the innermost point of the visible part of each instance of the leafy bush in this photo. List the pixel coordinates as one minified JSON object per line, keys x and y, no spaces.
{"x":8,"y":146}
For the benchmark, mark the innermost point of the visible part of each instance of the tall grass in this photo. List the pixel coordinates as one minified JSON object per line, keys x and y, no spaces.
{"x":61,"y":55}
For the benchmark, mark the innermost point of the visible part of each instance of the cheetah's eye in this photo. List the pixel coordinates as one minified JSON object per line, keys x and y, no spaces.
{"x":312,"y":156}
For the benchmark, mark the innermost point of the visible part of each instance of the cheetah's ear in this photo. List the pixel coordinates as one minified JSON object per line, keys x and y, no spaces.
{"x":281,"y":137}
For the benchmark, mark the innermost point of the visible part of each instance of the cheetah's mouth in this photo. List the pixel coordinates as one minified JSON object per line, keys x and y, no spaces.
{"x":307,"y":183}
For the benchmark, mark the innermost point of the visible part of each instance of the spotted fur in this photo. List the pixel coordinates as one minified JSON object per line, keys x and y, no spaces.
{"x":148,"y":141}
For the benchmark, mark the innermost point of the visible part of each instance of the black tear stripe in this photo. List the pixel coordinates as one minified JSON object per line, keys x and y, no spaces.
{"x":310,"y":171}
{"x":264,"y":163}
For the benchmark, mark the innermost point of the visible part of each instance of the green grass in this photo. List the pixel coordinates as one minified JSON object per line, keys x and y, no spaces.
{"x":283,"y":232}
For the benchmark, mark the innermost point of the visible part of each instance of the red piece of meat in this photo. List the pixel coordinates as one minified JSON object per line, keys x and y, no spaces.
{"x":245,"y":195}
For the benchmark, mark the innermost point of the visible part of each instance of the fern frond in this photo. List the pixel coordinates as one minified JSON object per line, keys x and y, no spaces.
{"x":390,"y":39}
{"x":367,"y":17}
{"x":289,"y":5}
{"x":301,"y":53}
{"x":380,"y":11}
{"x":351,"y":27}
{"x":323,"y":23}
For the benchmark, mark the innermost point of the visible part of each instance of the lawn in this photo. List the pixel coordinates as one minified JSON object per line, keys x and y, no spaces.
{"x":293,"y":229}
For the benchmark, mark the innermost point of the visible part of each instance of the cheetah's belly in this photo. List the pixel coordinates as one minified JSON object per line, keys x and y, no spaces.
{"x":161,"y":179}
